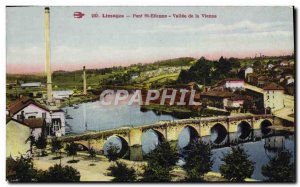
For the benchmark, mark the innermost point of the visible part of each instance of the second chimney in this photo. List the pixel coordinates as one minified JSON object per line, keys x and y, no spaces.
{"x":84,"y":81}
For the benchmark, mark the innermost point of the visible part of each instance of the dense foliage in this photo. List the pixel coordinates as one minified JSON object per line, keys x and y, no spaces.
{"x":121,"y":172}
{"x":112,"y":152}
{"x":72,"y":149}
{"x":237,"y":165}
{"x":160,"y":162}
{"x":20,"y":170}
{"x":198,"y":161}
{"x":280,"y":168}
{"x":208,"y":72}
{"x":59,"y":173}
{"x":56,"y":145}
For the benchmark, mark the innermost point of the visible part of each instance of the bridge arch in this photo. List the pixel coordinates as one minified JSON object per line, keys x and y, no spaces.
{"x":243,"y":129}
{"x":264,"y":126}
{"x":150,"y":139}
{"x":218,"y":133}
{"x":82,"y":147}
{"x":117,"y":141}
{"x":186,"y":136}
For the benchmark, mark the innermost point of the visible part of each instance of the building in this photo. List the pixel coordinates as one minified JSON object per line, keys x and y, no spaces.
{"x":262,"y":81}
{"x":235,"y":102}
{"x":17,"y":138}
{"x":37,"y":125}
{"x":62,"y":94}
{"x":218,"y":99}
{"x":31,"y":85}
{"x":234,"y":84}
{"x":244,"y":72}
{"x":26,"y":108}
{"x":273,"y":96}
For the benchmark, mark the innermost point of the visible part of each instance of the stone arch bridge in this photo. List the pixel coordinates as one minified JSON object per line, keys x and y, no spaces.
{"x":170,"y":130}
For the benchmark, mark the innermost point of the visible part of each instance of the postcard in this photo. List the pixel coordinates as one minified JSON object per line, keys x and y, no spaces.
{"x":150,"y":94}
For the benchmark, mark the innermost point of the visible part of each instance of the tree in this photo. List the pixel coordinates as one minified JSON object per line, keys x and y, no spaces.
{"x":121,"y":172}
{"x":160,"y":162}
{"x":92,"y":152}
{"x":20,"y":170}
{"x":198,"y":161}
{"x":200,"y":72}
{"x":41,"y":144}
{"x":237,"y":165}
{"x":72,"y":150}
{"x":31,"y":139}
{"x":223,"y":67}
{"x":56,"y":145}
{"x":112,"y":152}
{"x":280,"y":168}
{"x":59,"y":173}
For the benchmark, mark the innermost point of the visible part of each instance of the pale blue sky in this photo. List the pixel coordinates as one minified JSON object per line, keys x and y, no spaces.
{"x":237,"y":31}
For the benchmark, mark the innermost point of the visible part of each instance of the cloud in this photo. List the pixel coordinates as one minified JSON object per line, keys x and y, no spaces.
{"x":239,"y":27}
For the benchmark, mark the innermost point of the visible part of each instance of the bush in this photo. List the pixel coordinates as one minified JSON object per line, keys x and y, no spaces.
{"x":112,"y":152}
{"x":20,"y":170}
{"x":237,"y":165}
{"x":279,"y":168}
{"x":121,"y":172}
{"x":72,"y":150}
{"x":198,"y":161}
{"x":160,"y":162}
{"x":58,"y":173}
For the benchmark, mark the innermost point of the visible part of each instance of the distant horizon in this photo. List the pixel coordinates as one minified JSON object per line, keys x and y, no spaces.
{"x":238,"y":32}
{"x":92,"y":68}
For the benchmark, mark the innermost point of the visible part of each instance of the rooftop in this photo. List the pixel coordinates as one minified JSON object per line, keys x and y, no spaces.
{"x":273,"y":86}
{"x":35,"y":122}
{"x":223,"y":94}
{"x":21,"y":103}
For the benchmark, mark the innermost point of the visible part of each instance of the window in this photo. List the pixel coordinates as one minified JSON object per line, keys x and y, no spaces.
{"x":19,"y":117}
{"x":31,"y":117}
{"x":44,"y":115}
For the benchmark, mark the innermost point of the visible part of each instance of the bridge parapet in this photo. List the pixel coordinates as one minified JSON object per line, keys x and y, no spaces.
{"x":170,"y":130}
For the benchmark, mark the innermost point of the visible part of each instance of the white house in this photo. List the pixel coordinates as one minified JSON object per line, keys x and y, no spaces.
{"x":26,"y":108}
{"x":248,"y":70}
{"x":270,"y":66}
{"x":234,"y":84}
{"x":61,"y":94}
{"x":290,"y":81}
{"x":273,"y":96}
{"x":31,"y":84}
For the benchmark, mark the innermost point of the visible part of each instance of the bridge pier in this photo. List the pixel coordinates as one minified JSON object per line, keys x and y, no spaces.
{"x":136,"y":153}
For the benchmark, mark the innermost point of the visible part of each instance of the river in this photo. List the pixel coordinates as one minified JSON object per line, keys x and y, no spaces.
{"x":93,"y":116}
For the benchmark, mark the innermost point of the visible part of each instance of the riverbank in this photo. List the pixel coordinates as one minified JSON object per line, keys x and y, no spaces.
{"x":182,"y":112}
{"x":75,"y":100}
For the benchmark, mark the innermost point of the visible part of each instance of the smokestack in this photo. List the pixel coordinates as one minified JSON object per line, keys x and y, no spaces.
{"x":47,"y":47}
{"x":84,"y":81}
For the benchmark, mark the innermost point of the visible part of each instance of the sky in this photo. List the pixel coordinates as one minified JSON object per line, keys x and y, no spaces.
{"x":106,"y":42}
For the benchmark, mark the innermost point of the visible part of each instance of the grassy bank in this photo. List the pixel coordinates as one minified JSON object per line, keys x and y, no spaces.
{"x":182,"y":112}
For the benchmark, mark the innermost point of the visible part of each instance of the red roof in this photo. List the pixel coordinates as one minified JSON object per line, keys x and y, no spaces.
{"x":273,"y":86}
{"x":234,"y":79}
{"x":220,"y":94}
{"x":35,"y":122}
{"x":21,"y":103}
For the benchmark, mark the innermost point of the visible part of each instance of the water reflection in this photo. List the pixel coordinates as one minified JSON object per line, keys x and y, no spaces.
{"x":93,"y":116}
{"x":117,"y":143}
{"x":150,"y":139}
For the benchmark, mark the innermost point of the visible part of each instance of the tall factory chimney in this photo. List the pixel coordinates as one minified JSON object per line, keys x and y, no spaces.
{"x":47,"y":47}
{"x":84,"y":81}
